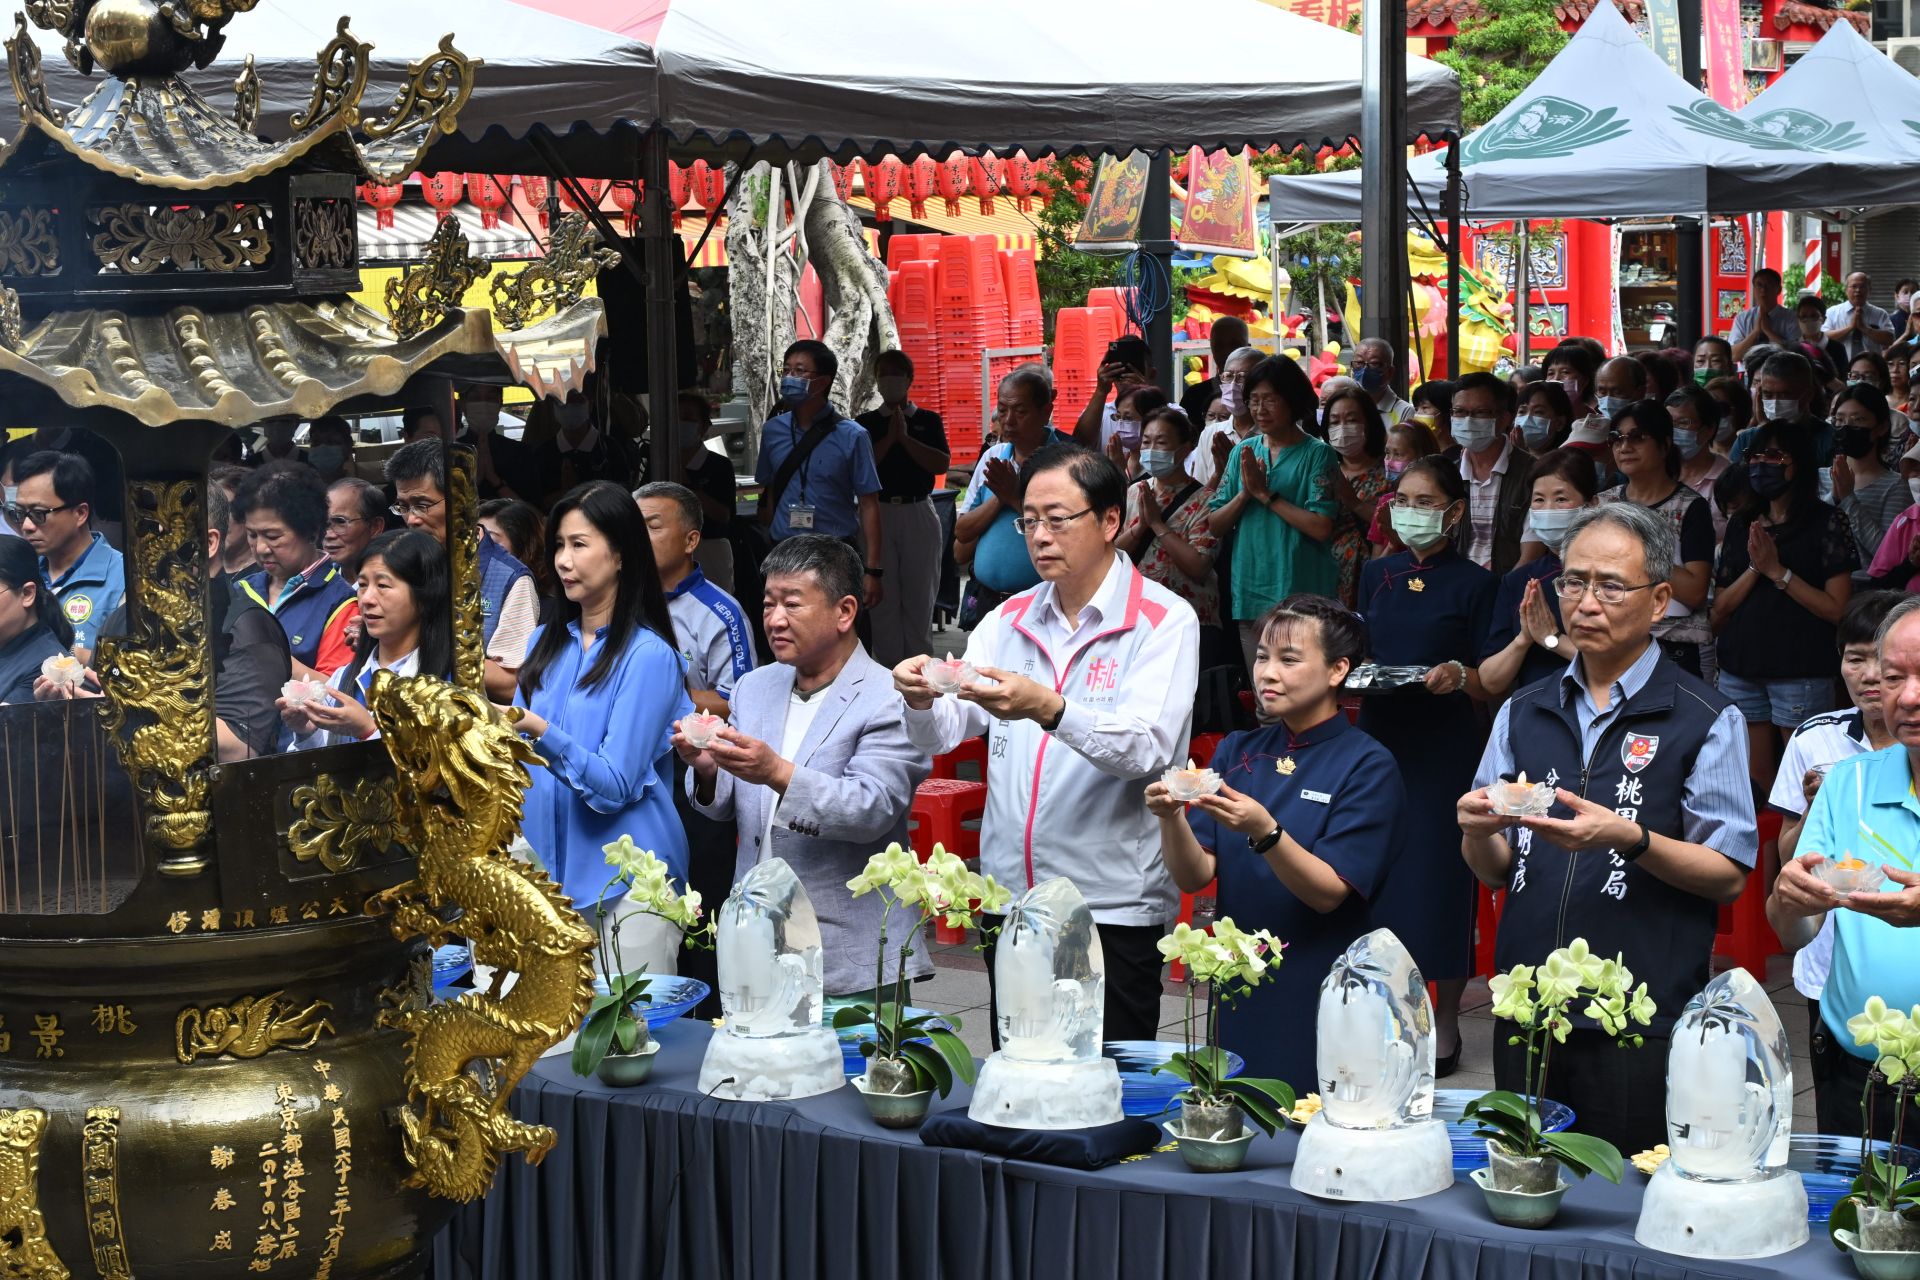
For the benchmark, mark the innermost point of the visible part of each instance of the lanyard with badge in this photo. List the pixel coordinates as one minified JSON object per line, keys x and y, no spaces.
{"x":800,"y":512}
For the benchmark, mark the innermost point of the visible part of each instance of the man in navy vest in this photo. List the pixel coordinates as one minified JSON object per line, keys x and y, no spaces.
{"x":1653,"y":827}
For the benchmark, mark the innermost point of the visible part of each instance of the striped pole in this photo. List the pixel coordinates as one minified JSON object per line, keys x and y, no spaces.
{"x":1815,"y":238}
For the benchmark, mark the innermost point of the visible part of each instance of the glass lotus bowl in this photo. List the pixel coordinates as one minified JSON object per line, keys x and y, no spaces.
{"x":1469,"y":1150}
{"x":1848,"y":875}
{"x":700,"y":729}
{"x":63,"y":669}
{"x":300,"y":692}
{"x":450,"y":964}
{"x":1521,"y":799}
{"x":1373,"y":677}
{"x":1189,"y":784}
{"x":949,"y":674}
{"x":1145,"y":1092}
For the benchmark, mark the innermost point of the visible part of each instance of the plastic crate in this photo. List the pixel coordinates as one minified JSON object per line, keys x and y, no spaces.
{"x":1025,"y":322}
{"x":969,"y":269}
{"x":912,"y":248}
{"x":910,"y":292}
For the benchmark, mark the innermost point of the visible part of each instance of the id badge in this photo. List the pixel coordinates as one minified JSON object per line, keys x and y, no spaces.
{"x":800,"y":517}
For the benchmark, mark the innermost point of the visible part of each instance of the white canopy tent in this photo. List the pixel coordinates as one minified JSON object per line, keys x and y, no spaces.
{"x":1607,"y":130}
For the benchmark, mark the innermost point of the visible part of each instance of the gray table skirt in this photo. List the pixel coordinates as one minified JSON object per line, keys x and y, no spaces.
{"x":659,"y":1181}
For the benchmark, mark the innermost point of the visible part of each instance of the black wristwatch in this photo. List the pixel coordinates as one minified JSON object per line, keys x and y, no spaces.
{"x":1639,"y":846}
{"x":1265,"y":842}
{"x":872,"y":572}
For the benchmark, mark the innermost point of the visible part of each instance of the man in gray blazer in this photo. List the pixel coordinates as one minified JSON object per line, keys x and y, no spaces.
{"x":816,"y":767}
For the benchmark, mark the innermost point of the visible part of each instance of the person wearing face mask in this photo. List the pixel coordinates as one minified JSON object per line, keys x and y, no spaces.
{"x":909,"y":454}
{"x":1871,"y":493}
{"x":1896,"y":565}
{"x":1544,"y":418}
{"x":1696,"y":418}
{"x":1764,"y":320}
{"x":1736,"y":410}
{"x":1406,"y":444}
{"x":1572,"y":366}
{"x":1713,"y":358}
{"x":1494,"y":471}
{"x":1526,"y":640}
{"x":1351,"y":423}
{"x":1374,"y":362}
{"x":1783,"y":391}
{"x":330,"y":448}
{"x":1649,"y":463}
{"x":1130,"y":410}
{"x":503,"y":460}
{"x":1810,"y":315}
{"x":1786,"y":572}
{"x":1125,"y":368}
{"x":1219,"y":437}
{"x":1433,"y":408}
{"x":1165,"y":531}
{"x":1228,"y":335}
{"x":1429,"y":606}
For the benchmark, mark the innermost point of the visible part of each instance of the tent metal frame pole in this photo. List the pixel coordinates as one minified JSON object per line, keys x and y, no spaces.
{"x":1452,"y":209}
{"x":1523,"y":277}
{"x":1383,"y":159}
{"x":1156,"y":242}
{"x":660,"y":245}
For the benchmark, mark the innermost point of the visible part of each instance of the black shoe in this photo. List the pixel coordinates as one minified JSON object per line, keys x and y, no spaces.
{"x":1447,"y":1065}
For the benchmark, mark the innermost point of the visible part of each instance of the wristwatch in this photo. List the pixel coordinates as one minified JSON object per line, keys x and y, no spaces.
{"x":1785,"y":578}
{"x":1551,"y":643}
{"x":1639,"y":846}
{"x":1265,"y":842}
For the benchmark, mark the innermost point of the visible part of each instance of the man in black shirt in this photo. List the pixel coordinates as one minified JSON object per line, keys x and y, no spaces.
{"x":910,"y":453}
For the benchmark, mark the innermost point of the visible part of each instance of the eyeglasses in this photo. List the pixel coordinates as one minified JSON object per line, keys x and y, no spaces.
{"x":1055,"y":524}
{"x":1233,"y":379}
{"x":415,"y":506}
{"x":1631,"y":437}
{"x":791,"y":372}
{"x":31,"y":515}
{"x":1570,"y":587}
{"x":342,"y":522}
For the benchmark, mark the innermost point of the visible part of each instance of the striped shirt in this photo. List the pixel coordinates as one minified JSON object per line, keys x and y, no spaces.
{"x":1871,"y":510}
{"x":1825,"y":739}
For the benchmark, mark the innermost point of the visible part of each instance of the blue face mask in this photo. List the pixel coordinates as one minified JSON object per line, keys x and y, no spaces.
{"x":1534,"y":429}
{"x":1370,"y":378}
{"x":793,"y":388}
{"x":1688,"y":442}
{"x":1610,"y":405}
{"x":327,"y":458}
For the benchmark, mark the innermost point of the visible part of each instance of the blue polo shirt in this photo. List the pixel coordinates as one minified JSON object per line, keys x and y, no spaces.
{"x":1001,"y":560}
{"x":831,"y":481}
{"x":1866,"y":809}
{"x":91,"y":591}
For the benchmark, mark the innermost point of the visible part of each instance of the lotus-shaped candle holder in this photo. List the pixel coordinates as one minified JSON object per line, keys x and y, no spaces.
{"x":63,"y":670}
{"x":1189,"y":784}
{"x":1848,"y":875}
{"x":299,"y":693}
{"x":700,"y":729}
{"x":950,"y":675}
{"x":1521,"y":799}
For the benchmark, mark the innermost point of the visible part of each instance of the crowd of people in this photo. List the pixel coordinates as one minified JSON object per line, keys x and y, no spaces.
{"x":1671,"y":586}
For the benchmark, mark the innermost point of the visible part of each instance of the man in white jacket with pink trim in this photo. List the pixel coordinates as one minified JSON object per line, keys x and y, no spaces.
{"x":1086,"y":696}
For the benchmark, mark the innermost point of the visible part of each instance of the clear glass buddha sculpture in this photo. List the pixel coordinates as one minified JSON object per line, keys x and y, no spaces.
{"x":1050,"y":986}
{"x":771,"y":1044}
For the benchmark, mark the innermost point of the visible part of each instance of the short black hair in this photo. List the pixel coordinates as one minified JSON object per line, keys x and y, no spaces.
{"x":413,"y":415}
{"x":1791,"y":365}
{"x":832,"y":563}
{"x":1557,"y":402}
{"x":1098,"y":478}
{"x":73,"y":479}
{"x":1342,"y":634}
{"x":293,"y":491}
{"x":1177,"y":417}
{"x":426,"y":458}
{"x":1502,"y":390}
{"x":1715,"y":340}
{"x":331,"y":422}
{"x":1767,"y":272}
{"x":1652,"y":418}
{"x":1571,"y":465}
{"x":894,"y":358}
{"x":1574,"y":354}
{"x":1289,"y":381}
{"x":1860,"y":620}
{"x":825,"y":363}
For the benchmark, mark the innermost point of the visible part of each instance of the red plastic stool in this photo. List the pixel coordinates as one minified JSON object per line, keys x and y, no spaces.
{"x":1744,"y":936}
{"x":1486,"y":928}
{"x":948,"y":765}
{"x":941,"y":807}
{"x":1176,"y":970}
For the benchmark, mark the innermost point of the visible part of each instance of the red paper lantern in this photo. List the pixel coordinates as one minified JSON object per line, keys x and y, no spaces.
{"x":954,"y":181}
{"x":382,"y":196}
{"x":1023,"y":181}
{"x":489,"y":194}
{"x":883,"y":180}
{"x":534,"y":189}
{"x":709,"y":186}
{"x":679,"y":189}
{"x":627,"y":197}
{"x":985,"y":174}
{"x":443,"y":190}
{"x":595,"y":189}
{"x":843,"y":181}
{"x":923,"y":178}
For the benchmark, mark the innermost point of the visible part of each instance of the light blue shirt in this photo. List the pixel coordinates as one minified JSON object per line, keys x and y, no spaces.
{"x":91,"y":591}
{"x":607,"y":774}
{"x":1717,"y":801}
{"x":831,"y":481}
{"x":1866,"y":809}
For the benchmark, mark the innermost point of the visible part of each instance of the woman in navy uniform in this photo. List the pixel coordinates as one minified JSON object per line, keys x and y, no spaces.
{"x":1429,"y":606}
{"x":1305,"y":828}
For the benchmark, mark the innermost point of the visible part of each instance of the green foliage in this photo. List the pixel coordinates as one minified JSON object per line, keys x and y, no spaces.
{"x":1793,"y":283}
{"x":1324,"y":252}
{"x":1498,"y":53}
{"x":1064,"y":273}
{"x":611,"y":1022}
{"x":1508,"y":1119}
{"x":936,"y":1055}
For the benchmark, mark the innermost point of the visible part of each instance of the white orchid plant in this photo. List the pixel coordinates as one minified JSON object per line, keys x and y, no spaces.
{"x":1231,"y":962}
{"x":611,"y":1021}
{"x":1538,"y":1000}
{"x":1882,"y":1184}
{"x":941,"y":887}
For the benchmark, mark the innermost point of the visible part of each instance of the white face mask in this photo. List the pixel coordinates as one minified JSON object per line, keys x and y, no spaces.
{"x":482,"y":415}
{"x":1347,"y":438}
{"x":1610,"y":405}
{"x":1161,"y":464}
{"x":1780,"y":410}
{"x":1473,"y":434}
{"x":1688,"y":442}
{"x":1550,"y":525}
{"x":1913,"y":487}
{"x":1534,"y":429}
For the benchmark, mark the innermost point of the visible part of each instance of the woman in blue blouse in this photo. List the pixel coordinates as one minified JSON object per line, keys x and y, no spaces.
{"x":602,"y":686}
{"x":1429,"y":607}
{"x":1304,"y":830}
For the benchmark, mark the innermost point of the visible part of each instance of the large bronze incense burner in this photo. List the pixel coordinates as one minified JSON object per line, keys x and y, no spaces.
{"x":220,"y":1055}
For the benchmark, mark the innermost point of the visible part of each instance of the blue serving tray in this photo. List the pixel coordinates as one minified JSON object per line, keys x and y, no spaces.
{"x":1828,"y":1165}
{"x":1469,"y":1151}
{"x":450,"y":964}
{"x":1143,"y":1092}
{"x":851,"y":1059}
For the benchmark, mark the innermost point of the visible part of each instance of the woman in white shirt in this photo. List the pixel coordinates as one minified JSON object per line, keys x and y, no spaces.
{"x":406,"y":627}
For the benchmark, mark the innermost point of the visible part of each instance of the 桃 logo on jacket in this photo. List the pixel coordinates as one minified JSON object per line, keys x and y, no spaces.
{"x":1637,"y":751}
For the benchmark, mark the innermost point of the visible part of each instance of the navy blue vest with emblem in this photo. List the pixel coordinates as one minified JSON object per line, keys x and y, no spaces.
{"x":1639,"y":768}
{"x":498,"y":572}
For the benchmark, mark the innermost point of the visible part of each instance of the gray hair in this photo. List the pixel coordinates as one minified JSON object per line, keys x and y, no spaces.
{"x":691,"y":514}
{"x":1392,"y":355}
{"x":1244,"y":353}
{"x":372,"y":502}
{"x":1653,"y":529}
{"x":1790,"y":365}
{"x":1895,"y":616}
{"x":831,"y":563}
{"x":1034,"y":380}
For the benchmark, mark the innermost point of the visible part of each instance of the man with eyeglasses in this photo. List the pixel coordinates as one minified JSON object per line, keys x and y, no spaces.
{"x":284,"y":508}
{"x":509,"y":604}
{"x":1085,"y":694}
{"x":1228,"y":335}
{"x":985,"y":541}
{"x":1217,"y":441}
{"x":356,"y":515}
{"x":53,"y":510}
{"x":1373,"y":364}
{"x":1652,"y":827}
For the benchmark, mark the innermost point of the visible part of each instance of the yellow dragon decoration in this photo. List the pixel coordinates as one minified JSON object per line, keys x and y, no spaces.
{"x":463,"y":771}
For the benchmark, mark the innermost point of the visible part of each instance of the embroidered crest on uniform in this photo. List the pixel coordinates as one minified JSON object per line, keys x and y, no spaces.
{"x":78,"y":608}
{"x":1637,"y":751}
{"x":1416,"y":584}
{"x":1285,"y":765}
